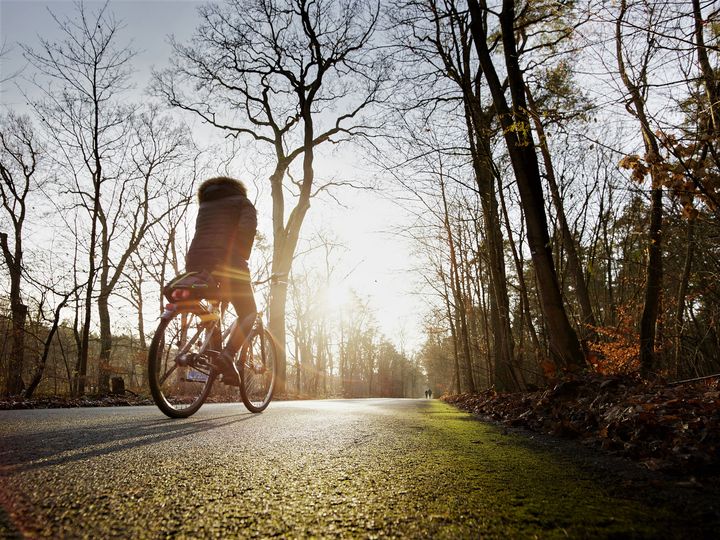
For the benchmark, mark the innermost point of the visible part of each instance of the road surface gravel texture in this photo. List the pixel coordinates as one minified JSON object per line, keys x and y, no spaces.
{"x":393,"y":468}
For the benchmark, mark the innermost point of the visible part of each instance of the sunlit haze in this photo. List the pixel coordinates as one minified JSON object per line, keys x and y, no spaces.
{"x":373,"y":262}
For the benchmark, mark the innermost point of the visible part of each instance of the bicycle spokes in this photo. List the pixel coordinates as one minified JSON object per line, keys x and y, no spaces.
{"x":182,"y":363}
{"x":257,"y":371}
{"x":181,"y":375}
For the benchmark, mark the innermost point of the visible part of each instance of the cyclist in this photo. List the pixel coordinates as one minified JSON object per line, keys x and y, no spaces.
{"x":224,"y":235}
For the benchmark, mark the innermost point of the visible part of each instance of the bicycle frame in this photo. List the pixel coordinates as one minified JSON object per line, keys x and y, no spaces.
{"x":211,"y":312}
{"x":188,"y":349}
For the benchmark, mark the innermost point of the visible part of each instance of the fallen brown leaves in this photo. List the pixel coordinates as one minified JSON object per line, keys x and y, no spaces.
{"x":669,"y":428}
{"x":67,"y":402}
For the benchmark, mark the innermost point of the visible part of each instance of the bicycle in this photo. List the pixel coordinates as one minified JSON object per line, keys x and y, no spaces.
{"x":181,"y":371}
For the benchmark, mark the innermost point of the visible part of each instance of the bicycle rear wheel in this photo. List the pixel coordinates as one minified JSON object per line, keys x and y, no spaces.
{"x":257,"y":370}
{"x":180,"y":378}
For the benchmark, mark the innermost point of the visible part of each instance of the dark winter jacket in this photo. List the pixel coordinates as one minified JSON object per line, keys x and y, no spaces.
{"x":224,"y":230}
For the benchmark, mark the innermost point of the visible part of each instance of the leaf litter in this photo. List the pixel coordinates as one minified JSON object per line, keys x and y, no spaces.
{"x":668,"y":428}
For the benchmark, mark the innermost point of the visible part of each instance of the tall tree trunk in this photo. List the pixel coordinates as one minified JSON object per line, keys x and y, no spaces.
{"x":276,"y":320}
{"x":457,"y":294}
{"x":16,"y":363}
{"x":519,"y":270}
{"x":105,"y":344}
{"x":466,"y":293}
{"x":81,"y":377}
{"x":13,"y":260}
{"x":653,"y":288}
{"x":707,"y":72}
{"x":73,"y":378}
{"x":285,"y":239}
{"x":140,"y":318}
{"x":573,"y":260}
{"x":564,"y":345}
{"x":507,"y":375}
{"x":649,"y":363}
{"x":18,"y":148}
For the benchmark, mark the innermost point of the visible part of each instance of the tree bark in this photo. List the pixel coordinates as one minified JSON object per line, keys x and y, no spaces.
{"x":649,"y":363}
{"x":40,"y":368}
{"x":519,"y":270}
{"x":13,"y":377}
{"x":104,"y":372}
{"x":84,"y":352}
{"x":708,"y":73}
{"x":18,"y":146}
{"x":507,"y":374}
{"x":575,"y":268}
{"x":457,"y":294}
{"x":564,"y":345}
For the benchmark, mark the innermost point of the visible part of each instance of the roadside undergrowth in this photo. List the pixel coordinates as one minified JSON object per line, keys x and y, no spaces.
{"x":526,"y":491}
{"x":673,"y":429}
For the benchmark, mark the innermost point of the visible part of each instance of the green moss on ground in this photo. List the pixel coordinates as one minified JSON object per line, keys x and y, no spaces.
{"x":516,"y":490}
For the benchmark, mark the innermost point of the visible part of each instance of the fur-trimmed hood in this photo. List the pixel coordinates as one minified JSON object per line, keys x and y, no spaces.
{"x":220,"y":187}
{"x":225,"y":226}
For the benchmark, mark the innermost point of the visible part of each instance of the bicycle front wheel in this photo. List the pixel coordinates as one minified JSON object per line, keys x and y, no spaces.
{"x":180,"y":378}
{"x":257,"y":370}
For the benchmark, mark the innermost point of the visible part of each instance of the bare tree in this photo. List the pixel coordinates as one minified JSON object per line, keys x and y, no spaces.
{"x":4,"y":51}
{"x":438,"y":38}
{"x":636,"y":83}
{"x":455,"y":285}
{"x":160,"y":253}
{"x":314,"y":316}
{"x":574,"y":262}
{"x":19,"y":158}
{"x":290,"y":75}
{"x":120,"y":160}
{"x":39,"y":368}
{"x":564,"y":345}
{"x":88,"y":124}
{"x":357,"y":331}
{"x":158,"y":150}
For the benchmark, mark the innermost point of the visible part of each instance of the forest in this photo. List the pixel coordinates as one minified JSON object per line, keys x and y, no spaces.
{"x":559,"y":162}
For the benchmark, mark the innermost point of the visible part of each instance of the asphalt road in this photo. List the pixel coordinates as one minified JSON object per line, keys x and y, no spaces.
{"x":328,"y":469}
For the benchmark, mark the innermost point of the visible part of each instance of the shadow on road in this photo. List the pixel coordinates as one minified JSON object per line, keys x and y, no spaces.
{"x":27,"y":451}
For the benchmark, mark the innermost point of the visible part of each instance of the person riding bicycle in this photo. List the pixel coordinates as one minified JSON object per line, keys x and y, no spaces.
{"x":224,"y":234}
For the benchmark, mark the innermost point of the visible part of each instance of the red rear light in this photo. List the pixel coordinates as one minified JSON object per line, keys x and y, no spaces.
{"x":180,"y":294}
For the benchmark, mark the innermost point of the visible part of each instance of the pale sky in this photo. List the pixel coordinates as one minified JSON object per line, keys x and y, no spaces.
{"x":381,"y":260}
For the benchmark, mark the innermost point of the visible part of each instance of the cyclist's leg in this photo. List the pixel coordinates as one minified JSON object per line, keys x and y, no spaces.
{"x":235,"y":286}
{"x":243,"y":301}
{"x":215,"y":346}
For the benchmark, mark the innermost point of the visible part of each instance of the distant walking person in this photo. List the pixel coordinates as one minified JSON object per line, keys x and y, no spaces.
{"x":430,"y":393}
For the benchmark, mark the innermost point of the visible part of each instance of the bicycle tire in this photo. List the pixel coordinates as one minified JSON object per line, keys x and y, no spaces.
{"x":174,"y":391}
{"x":258,"y":370}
